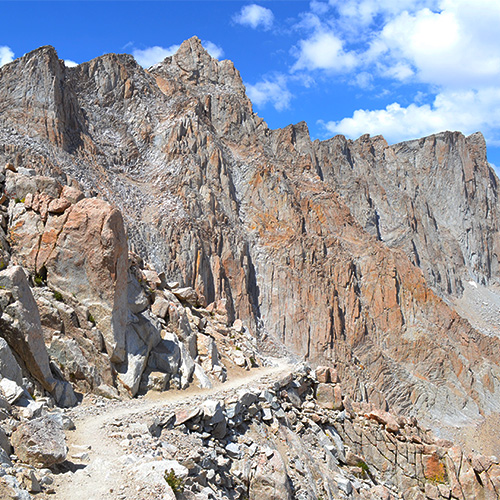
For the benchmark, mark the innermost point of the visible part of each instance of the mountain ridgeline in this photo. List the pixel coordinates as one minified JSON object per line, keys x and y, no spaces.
{"x":350,"y":253}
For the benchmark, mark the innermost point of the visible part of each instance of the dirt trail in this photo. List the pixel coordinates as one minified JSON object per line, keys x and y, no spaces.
{"x":101,"y":476}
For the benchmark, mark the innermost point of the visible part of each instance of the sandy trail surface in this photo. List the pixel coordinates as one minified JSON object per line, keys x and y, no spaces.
{"x":98,"y":469}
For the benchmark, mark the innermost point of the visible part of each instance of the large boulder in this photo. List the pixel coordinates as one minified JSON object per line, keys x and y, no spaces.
{"x":89,"y":260}
{"x":9,"y":367}
{"x":270,"y":480}
{"x":40,"y":442}
{"x":21,"y":327}
{"x":142,"y":335}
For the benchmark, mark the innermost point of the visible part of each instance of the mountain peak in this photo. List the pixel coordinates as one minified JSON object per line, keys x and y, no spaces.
{"x":194,"y":66}
{"x":193,"y":46}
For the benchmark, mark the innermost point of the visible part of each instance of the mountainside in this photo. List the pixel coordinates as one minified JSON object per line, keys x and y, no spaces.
{"x":345,"y":252}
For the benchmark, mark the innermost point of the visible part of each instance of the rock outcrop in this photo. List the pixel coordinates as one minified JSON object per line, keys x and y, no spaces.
{"x":299,"y":240}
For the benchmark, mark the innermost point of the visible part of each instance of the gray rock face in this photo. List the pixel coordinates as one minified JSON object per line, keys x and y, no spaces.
{"x":251,"y":219}
{"x":435,"y":198}
{"x":270,"y":479}
{"x":9,"y":367}
{"x":21,"y":326}
{"x":40,"y":442}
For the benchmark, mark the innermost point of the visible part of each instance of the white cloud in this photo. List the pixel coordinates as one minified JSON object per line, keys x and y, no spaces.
{"x":271,"y":90}
{"x":69,"y":63}
{"x":466,"y":111}
{"x":449,"y":43}
{"x":363,"y":12}
{"x":319,"y":7}
{"x":212,"y":49}
{"x":152,"y":55}
{"x":6,"y":55}
{"x":363,"y":80}
{"x":255,"y":16}
{"x":324,"y":51}
{"x":459,"y":46}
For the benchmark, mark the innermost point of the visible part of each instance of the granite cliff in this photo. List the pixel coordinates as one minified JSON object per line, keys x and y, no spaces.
{"x":357,"y":254}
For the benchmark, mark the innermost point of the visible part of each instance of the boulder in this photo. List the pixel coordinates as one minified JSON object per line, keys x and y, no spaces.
{"x":238,"y":326}
{"x":72,"y":194}
{"x":58,"y":206}
{"x":270,"y":479}
{"x":157,"y":381}
{"x":166,"y":355}
{"x":213,"y":411}
{"x":142,"y":335}
{"x":64,"y":394}
{"x":329,"y":396}
{"x":323,"y":374}
{"x":10,"y":390}
{"x":9,"y":367}
{"x":21,"y":327}
{"x":203,"y":380}
{"x":384,"y":418}
{"x":153,"y":473}
{"x":186,"y":366}
{"x":89,"y":260}
{"x":4,"y":442}
{"x":40,"y":442}
{"x":137,"y":298}
{"x":246,"y":398}
{"x":186,"y":294}
{"x":160,"y":307}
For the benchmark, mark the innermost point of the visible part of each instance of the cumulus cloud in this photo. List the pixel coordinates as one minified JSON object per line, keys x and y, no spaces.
{"x":69,"y":63}
{"x":466,"y":111}
{"x":364,"y":12}
{"x":6,"y":55}
{"x":457,"y":46}
{"x":324,"y":51}
{"x":271,"y":90}
{"x":255,"y":16}
{"x":449,"y":43}
{"x":213,"y":49}
{"x":153,"y":55}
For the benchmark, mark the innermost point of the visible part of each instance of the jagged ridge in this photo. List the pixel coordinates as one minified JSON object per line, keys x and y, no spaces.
{"x":253,"y":216}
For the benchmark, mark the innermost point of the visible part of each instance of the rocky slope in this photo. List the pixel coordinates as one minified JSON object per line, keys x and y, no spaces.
{"x":239,"y":212}
{"x":243,"y":238}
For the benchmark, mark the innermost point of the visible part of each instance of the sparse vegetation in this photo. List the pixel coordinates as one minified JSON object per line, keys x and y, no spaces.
{"x":176,"y":483}
{"x":91,"y":318}
{"x":363,"y":466}
{"x":58,"y":296}
{"x":38,"y":280}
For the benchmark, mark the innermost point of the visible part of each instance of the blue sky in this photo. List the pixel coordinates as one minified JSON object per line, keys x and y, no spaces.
{"x":400,"y":68}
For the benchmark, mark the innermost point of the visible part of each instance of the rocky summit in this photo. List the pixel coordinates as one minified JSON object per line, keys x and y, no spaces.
{"x":157,"y":236}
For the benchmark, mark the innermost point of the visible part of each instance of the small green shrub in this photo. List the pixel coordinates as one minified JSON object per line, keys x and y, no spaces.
{"x":39,"y":281}
{"x":91,"y":319}
{"x":58,"y":296}
{"x":176,"y":483}
{"x":363,"y":466}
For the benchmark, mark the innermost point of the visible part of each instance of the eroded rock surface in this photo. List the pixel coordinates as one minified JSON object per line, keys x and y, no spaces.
{"x":40,"y":442}
{"x":299,"y":240}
